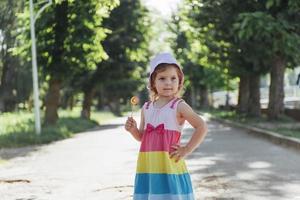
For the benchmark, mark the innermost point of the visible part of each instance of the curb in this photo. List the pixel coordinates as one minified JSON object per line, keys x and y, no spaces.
{"x":274,"y":137}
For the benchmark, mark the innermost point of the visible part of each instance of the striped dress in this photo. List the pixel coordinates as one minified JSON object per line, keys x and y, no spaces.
{"x":158,"y":177}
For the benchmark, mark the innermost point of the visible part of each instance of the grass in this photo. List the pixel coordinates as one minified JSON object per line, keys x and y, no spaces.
{"x":284,"y":125}
{"x":290,"y":132}
{"x":102,"y":117}
{"x":17,"y":129}
{"x":2,"y":161}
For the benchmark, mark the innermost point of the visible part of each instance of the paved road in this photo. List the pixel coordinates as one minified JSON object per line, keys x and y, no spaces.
{"x":100,"y":164}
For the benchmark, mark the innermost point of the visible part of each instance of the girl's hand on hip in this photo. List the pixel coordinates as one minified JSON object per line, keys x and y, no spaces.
{"x":178,"y":152}
{"x":130,"y":124}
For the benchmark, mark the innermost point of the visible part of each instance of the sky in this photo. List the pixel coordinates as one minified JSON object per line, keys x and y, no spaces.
{"x":161,"y":12}
{"x":163,"y":7}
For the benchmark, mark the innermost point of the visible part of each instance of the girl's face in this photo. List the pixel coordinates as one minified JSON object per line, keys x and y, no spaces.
{"x":166,"y":82}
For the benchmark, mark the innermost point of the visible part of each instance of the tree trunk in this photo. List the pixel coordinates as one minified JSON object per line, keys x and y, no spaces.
{"x":8,"y":101}
{"x":193,"y":96}
{"x":57,"y":63}
{"x":71,"y":102}
{"x":100,"y":98}
{"x":204,"y":103}
{"x":276,"y":94}
{"x":254,"y":96}
{"x":115,"y":107}
{"x":243,"y":94}
{"x":66,"y":99}
{"x":99,"y":105}
{"x":52,"y":101}
{"x":87,"y":103}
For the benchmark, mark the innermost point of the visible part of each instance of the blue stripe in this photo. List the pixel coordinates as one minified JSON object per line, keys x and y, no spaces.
{"x":163,"y":197}
{"x":163,"y":184}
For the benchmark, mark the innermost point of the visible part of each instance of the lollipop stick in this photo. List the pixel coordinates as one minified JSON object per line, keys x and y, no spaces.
{"x":133,"y":101}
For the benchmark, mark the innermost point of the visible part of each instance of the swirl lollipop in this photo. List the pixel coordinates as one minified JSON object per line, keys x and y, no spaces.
{"x":134,"y":101}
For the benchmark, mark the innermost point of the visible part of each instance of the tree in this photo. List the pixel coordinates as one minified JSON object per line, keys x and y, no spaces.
{"x":207,"y":50}
{"x":234,"y":53}
{"x":127,"y":49}
{"x":69,"y":42}
{"x":276,"y":30}
{"x":10,"y":65}
{"x":90,"y":32}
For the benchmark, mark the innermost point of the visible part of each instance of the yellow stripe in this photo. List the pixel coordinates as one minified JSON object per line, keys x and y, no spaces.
{"x":159,"y":162}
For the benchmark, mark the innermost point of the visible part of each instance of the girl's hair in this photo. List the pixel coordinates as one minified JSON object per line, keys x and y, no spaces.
{"x":160,"y":68}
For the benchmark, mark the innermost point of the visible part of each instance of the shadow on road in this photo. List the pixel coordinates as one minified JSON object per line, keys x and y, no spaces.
{"x":232,"y":164}
{"x":10,"y":153}
{"x":105,"y":127}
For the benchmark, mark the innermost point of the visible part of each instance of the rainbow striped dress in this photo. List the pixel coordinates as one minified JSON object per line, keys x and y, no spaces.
{"x":158,"y":177}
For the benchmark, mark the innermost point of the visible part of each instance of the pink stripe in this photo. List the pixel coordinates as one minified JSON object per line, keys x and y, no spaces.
{"x":172,"y":106}
{"x":147,"y":104}
{"x":155,"y":141}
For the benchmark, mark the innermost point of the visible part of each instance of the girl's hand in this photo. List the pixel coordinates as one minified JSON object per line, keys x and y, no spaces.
{"x":130,"y":125}
{"x":178,"y":152}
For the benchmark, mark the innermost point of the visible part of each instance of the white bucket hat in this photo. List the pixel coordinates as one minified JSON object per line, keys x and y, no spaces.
{"x":160,"y":58}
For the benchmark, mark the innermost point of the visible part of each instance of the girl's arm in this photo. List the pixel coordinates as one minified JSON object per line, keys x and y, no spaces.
{"x":131,"y":127}
{"x":185,"y":112}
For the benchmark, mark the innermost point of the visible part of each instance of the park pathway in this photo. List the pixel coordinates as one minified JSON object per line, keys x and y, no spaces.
{"x":100,"y":164}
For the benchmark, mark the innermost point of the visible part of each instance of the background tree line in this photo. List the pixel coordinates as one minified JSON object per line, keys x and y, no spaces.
{"x":221,"y":40}
{"x":98,"y":50}
{"x":84,"y":47}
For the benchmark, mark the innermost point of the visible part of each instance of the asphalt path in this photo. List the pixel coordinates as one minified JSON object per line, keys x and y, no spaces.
{"x":100,"y":164}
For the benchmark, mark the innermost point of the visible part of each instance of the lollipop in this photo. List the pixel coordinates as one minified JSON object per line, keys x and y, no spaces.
{"x":134,"y":101}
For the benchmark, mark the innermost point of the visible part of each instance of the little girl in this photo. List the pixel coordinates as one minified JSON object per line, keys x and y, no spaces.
{"x":161,"y":171}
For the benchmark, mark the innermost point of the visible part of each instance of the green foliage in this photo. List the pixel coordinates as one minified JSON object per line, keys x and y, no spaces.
{"x":276,"y":29}
{"x":81,"y":36}
{"x":86,"y":32}
{"x":69,"y":35}
{"x":236,"y":55}
{"x":284,"y":125}
{"x":15,"y":74}
{"x":271,"y":3}
{"x":253,"y":32}
{"x":102,"y":117}
{"x":195,"y":48}
{"x":17,"y":129}
{"x":127,"y":50}
{"x":288,"y":131}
